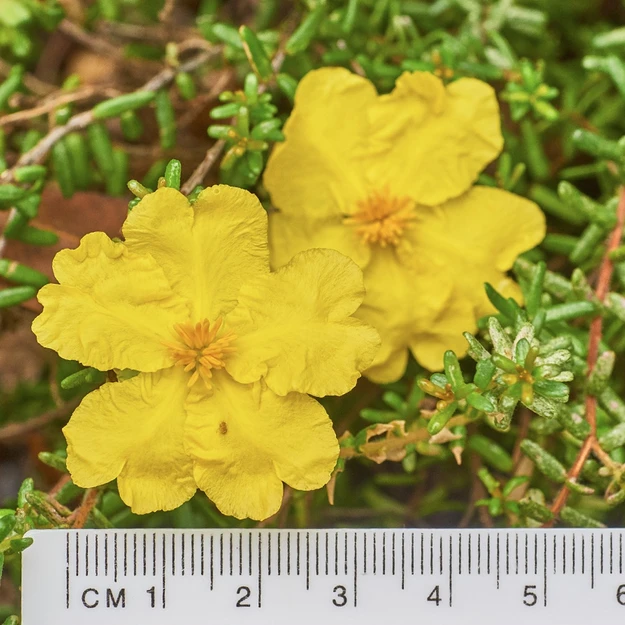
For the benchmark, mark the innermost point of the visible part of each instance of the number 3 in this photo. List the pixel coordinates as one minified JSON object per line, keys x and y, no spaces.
{"x":341,"y":598}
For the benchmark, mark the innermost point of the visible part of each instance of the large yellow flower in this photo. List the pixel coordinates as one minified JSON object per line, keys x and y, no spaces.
{"x":227,"y":352}
{"x":387,"y":181}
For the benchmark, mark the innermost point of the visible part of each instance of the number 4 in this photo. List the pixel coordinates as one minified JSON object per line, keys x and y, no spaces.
{"x":435,"y":596}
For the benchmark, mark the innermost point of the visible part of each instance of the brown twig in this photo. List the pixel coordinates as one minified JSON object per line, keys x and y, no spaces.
{"x":604,"y":278}
{"x":200,"y":172}
{"x":85,"y":93}
{"x":81,"y":514}
{"x":82,"y":120}
{"x":18,"y":430}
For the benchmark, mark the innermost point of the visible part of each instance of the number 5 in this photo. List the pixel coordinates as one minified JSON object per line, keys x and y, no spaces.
{"x":529,"y":596}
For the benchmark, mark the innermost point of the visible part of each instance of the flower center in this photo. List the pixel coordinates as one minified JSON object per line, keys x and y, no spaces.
{"x":199,"y":350}
{"x":382,"y":217}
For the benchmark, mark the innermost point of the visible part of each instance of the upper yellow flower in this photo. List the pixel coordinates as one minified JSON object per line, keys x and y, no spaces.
{"x":387,"y":181}
{"x":227,"y":352}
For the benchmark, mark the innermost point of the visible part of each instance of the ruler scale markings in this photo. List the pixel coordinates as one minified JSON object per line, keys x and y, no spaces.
{"x":440,"y":555}
{"x":288,"y":553}
{"x":573,"y":554}
{"x":67,"y":571}
{"x":212,"y":560}
{"x":125,"y":554}
{"x":230,"y":555}
{"x":202,"y":555}
{"x":526,"y":552}
{"x":364,"y":551}
{"x":383,"y":553}
{"x":601,"y":554}
{"x":78,"y":552}
{"x":516,"y":553}
{"x":592,"y":560}
{"x":249,"y":548}
{"x":507,"y":554}
{"x":535,"y":554}
{"x":611,"y":554}
{"x":328,"y":553}
{"x":307,"y":560}
{"x":583,"y":554}
{"x":545,"y":570}
{"x":87,"y":555}
{"x":620,"y":553}
{"x":431,"y":554}
{"x":336,"y":553}
{"x":554,"y":554}
{"x":192,"y":554}
{"x":297,"y":555}
{"x":403,"y":560}
{"x":164,"y":569}
{"x":115,"y":557}
{"x":221,"y":554}
{"x":393,"y":553}
{"x":356,"y":568}
{"x":411,"y":553}
{"x":269,"y":554}
{"x":241,"y":553}
{"x":173,"y":554}
{"x":97,"y":555}
{"x":479,"y":554}
{"x":374,"y":554}
{"x":451,"y":573}
{"x":422,"y":553}
{"x":134,"y":554}
{"x":487,"y":554}
{"x":154,"y":554}
{"x":260,"y":568}
{"x":469,"y":553}
{"x":564,"y":554}
{"x":498,"y":559}
{"x":346,"y":566}
{"x":459,"y":554}
{"x":317,"y":552}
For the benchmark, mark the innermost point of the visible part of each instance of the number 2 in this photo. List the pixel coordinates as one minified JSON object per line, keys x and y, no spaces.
{"x":246,"y":592}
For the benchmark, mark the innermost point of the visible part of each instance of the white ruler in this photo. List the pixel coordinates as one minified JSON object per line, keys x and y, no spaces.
{"x":324,"y":577}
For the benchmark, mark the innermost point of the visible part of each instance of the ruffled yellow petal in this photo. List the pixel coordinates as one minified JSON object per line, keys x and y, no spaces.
{"x":112,"y":308}
{"x":133,"y":431}
{"x":480,"y":234}
{"x":294,"y":327}
{"x":443,"y":333}
{"x":429,"y":141}
{"x":246,"y":440}
{"x":318,"y":170}
{"x":405,"y":295}
{"x":208,"y":250}
{"x":291,"y":234}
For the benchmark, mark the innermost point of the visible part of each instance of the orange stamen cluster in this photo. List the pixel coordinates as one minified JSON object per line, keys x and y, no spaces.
{"x":198,"y":351}
{"x":382,"y":218}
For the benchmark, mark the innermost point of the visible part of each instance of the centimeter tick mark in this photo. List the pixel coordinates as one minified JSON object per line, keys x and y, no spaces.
{"x":497,"y":560}
{"x":297,"y":560}
{"x":403,"y":560}
{"x":260,"y":568}
{"x":374,"y":554}
{"x":115,"y":557}
{"x":164,"y":569}
{"x":212,"y":560}
{"x":545,"y":570}
{"x":356,"y":567}
{"x":268,"y":554}
{"x":67,"y":570}
{"x":307,"y":560}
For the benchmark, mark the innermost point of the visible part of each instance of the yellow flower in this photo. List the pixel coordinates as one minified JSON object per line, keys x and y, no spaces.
{"x":387,"y":181}
{"x":227,"y":352}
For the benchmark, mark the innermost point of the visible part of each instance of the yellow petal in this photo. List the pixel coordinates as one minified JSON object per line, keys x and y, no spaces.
{"x":291,"y":234}
{"x":133,"y":431}
{"x":443,"y":333}
{"x":480,"y":234}
{"x":246,"y":440}
{"x":405,"y":295}
{"x":294,"y":327}
{"x":207,"y":250}
{"x":112,"y":309}
{"x":432,"y":141}
{"x":318,"y":170}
